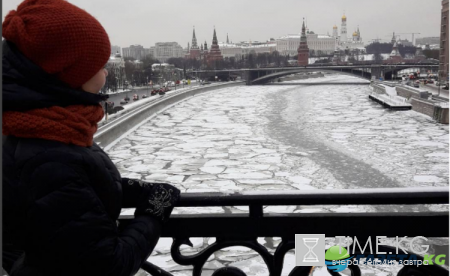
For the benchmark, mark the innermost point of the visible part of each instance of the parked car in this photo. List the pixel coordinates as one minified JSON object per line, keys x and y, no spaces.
{"x":169,"y":83}
{"x":154,"y":92}
{"x":125,"y":100}
{"x":144,"y":96}
{"x":430,"y":81}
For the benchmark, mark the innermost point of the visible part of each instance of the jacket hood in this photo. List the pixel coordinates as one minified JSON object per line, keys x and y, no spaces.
{"x":26,"y":86}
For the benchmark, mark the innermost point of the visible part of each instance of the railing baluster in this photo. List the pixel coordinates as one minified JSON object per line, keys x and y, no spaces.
{"x":256,"y":211}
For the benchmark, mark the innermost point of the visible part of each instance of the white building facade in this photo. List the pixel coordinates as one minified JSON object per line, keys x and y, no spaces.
{"x":137,"y":52}
{"x":229,"y":50}
{"x":165,"y":50}
{"x":116,"y":61}
{"x":259,"y":48}
{"x":320,"y":44}
{"x":152,"y":51}
{"x":237,"y":50}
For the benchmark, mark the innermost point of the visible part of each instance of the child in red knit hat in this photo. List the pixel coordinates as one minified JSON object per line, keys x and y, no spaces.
{"x":62,"y":194}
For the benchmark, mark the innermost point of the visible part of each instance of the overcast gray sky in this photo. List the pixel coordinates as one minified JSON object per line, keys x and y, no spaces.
{"x":148,"y":21}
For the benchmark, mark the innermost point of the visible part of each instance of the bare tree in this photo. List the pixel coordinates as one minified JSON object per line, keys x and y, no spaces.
{"x":129,"y":69}
{"x":377,"y":57}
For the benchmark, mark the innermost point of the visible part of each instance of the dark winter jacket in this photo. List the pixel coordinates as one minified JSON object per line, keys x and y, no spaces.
{"x":60,"y":201}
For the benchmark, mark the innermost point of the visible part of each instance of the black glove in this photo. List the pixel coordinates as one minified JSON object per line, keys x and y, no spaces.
{"x":156,"y":200}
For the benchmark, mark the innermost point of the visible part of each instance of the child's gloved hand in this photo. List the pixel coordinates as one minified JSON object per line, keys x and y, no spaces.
{"x":157,"y":200}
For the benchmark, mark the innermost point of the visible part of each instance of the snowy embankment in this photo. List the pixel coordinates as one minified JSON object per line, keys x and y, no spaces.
{"x":391,"y":98}
{"x":156,"y":86}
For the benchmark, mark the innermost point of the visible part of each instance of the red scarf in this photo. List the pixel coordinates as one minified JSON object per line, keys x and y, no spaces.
{"x":75,"y":124}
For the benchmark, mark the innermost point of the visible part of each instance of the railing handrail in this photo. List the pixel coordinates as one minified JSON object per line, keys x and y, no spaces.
{"x":312,"y":66}
{"x":391,"y":196}
{"x":242,"y":229}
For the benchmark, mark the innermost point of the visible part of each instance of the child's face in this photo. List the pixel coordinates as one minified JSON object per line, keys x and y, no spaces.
{"x":96,"y":82}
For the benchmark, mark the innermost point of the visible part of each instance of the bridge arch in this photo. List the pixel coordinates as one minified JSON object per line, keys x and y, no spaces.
{"x":366,"y":75}
{"x":262,"y":75}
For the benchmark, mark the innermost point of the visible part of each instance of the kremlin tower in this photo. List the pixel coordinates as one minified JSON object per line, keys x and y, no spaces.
{"x":194,"y":51}
{"x":214,"y":54}
{"x":205,"y":54}
{"x":303,"y":51}
{"x":395,"y":56}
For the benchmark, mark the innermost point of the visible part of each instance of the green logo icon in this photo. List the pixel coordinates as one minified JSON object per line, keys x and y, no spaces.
{"x":336,"y":258}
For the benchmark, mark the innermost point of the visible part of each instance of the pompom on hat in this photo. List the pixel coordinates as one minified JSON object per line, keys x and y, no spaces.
{"x":62,"y":39}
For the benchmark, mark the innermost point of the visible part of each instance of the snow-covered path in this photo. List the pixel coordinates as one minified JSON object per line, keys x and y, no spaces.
{"x":282,"y":138}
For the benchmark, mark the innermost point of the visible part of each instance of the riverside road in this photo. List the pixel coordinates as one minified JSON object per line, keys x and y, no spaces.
{"x":116,"y":98}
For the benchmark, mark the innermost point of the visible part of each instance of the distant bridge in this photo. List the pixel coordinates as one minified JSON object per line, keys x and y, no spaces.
{"x":265,"y":75}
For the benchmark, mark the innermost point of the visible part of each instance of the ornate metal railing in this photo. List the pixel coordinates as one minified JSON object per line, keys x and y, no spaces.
{"x":244,"y":229}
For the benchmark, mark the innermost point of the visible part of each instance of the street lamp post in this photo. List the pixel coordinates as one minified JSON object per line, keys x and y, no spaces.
{"x":173,"y":74}
{"x":106,"y":111}
{"x":439,"y":82}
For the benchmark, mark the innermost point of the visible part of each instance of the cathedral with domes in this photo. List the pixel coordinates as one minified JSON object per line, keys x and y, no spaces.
{"x":343,"y":41}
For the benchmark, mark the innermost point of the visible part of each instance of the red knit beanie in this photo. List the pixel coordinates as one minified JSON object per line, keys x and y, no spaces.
{"x":59,"y":37}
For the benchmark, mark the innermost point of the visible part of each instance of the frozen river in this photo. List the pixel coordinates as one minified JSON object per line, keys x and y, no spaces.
{"x":283,"y":138}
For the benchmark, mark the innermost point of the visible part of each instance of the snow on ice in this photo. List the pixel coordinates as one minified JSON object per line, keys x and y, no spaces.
{"x":225,"y":141}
